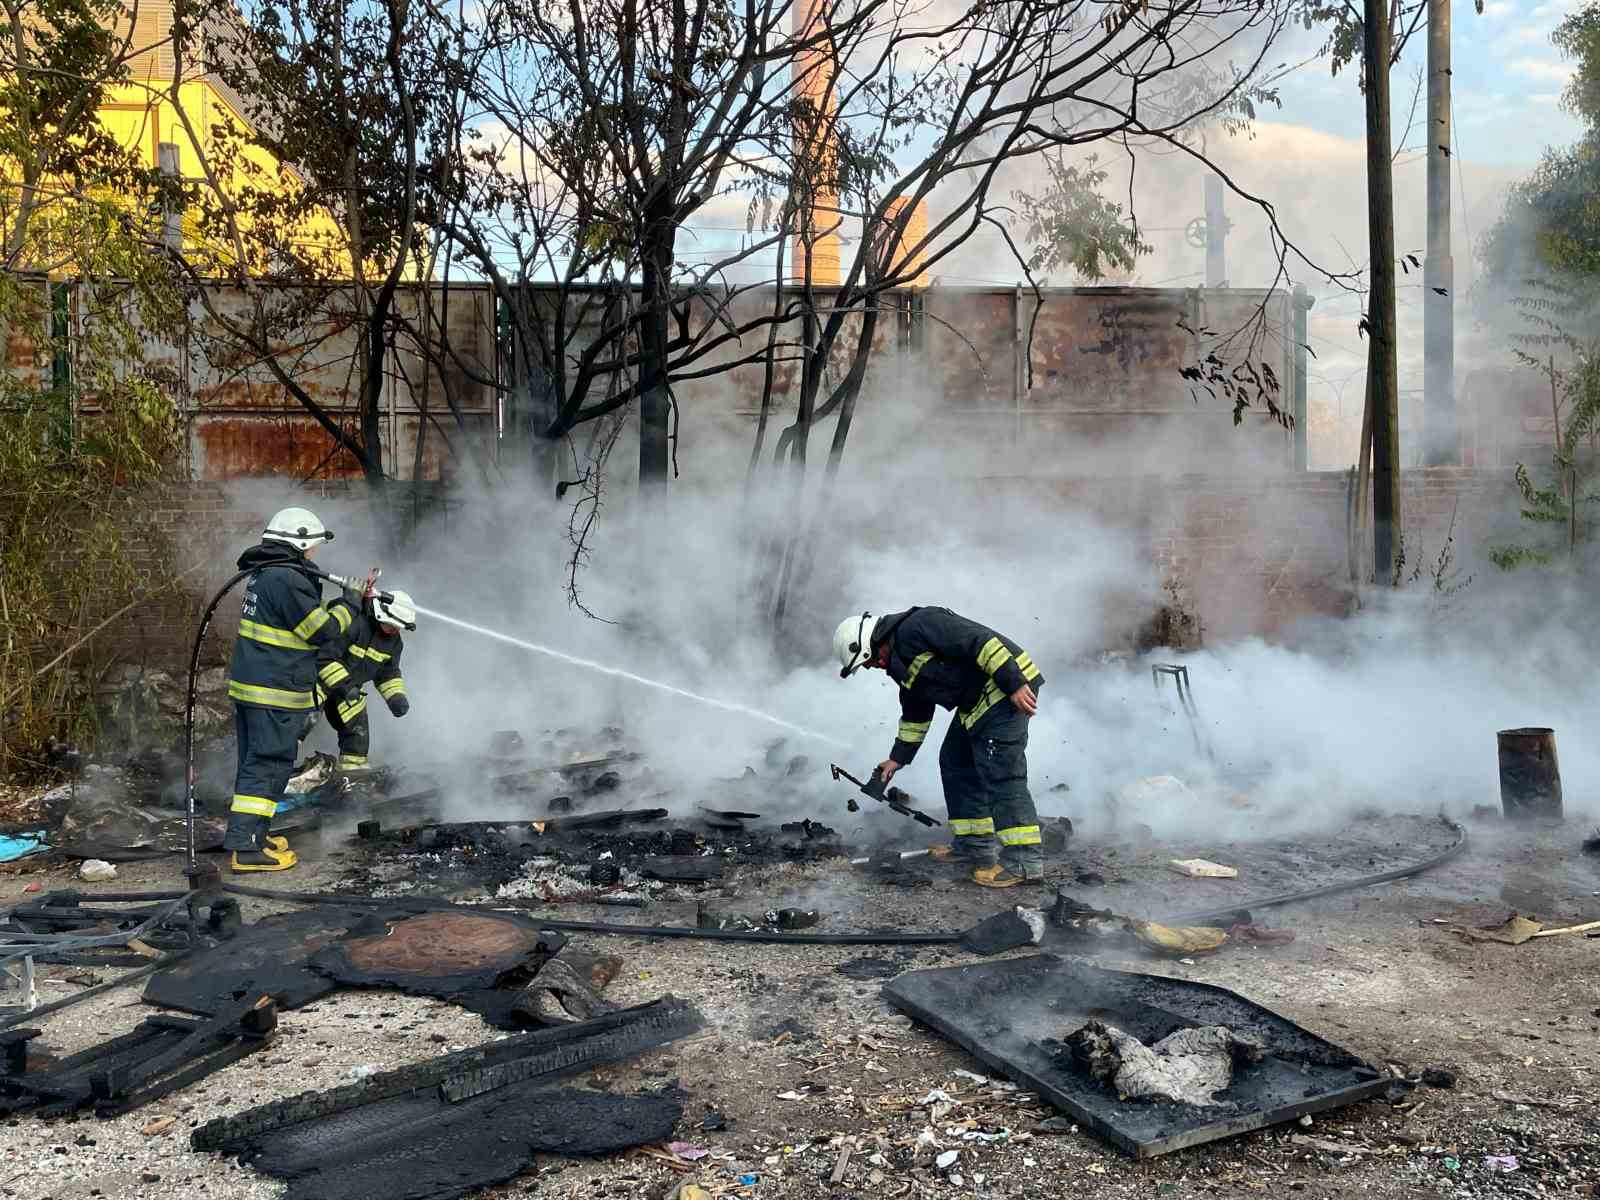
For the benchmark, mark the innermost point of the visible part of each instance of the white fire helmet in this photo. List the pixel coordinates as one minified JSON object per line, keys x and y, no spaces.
{"x":297,"y":527}
{"x":852,"y":642}
{"x":399,"y":609}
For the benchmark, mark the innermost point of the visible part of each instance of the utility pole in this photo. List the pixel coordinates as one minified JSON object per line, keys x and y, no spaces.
{"x":1441,"y":441}
{"x":172,"y":210}
{"x":1382,"y":372}
{"x":1216,"y":234}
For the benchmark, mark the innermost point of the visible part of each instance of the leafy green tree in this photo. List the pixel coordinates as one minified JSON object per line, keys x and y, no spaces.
{"x":1072,"y":225}
{"x":1551,"y":221}
{"x":1556,"y":343}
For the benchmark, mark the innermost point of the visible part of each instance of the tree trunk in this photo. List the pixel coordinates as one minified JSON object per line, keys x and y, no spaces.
{"x":655,"y":405}
{"x":379,"y":495}
{"x":817,"y":524}
{"x":1382,"y":372}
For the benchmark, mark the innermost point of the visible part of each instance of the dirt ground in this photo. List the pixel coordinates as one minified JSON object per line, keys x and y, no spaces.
{"x":1378,"y":971}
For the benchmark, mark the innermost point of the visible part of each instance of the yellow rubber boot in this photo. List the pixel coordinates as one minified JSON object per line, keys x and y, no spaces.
{"x":276,"y":842}
{"x":995,"y":877}
{"x":268,"y":858}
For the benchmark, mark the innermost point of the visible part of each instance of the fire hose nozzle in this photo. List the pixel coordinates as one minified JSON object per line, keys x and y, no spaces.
{"x":355,"y":584}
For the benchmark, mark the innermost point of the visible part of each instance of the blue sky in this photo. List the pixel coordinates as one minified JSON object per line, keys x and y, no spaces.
{"x":1508,"y":79}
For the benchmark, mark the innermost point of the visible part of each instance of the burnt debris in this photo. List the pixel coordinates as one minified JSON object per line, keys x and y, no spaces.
{"x":1192,"y":1066}
{"x":463,"y":1121}
{"x":157,"y":1058}
{"x":1007,"y":1014}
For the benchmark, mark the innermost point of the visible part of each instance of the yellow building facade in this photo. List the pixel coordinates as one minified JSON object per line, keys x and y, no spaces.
{"x":155,"y":108}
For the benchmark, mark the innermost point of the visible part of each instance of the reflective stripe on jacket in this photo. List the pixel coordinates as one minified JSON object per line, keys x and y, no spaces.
{"x":282,"y":623}
{"x":365,"y":654}
{"x":943,"y":660}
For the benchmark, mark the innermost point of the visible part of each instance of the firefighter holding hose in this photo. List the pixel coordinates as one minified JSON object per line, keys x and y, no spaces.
{"x":943,"y":660}
{"x":272,"y":679}
{"x":368,"y":653}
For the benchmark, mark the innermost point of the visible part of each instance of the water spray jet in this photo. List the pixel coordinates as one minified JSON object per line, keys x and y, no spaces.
{"x":619,"y":673}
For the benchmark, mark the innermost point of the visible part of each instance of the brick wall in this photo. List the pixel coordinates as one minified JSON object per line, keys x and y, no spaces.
{"x":1245,"y":557}
{"x":1253,"y":558}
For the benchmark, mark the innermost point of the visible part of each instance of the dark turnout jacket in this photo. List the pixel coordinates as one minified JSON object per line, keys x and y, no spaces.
{"x":366,"y":654}
{"x":943,"y":660}
{"x":281,"y":626}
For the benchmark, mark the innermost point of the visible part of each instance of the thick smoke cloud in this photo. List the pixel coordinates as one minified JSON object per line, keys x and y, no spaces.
{"x":1396,"y":708}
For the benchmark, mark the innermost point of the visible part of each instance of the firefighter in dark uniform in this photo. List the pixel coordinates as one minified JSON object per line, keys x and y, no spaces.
{"x":272,"y":679}
{"x":369,"y":653}
{"x":942,"y":660}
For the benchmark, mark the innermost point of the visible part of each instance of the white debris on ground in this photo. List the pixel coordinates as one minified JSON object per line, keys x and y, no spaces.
{"x":1190,"y":1066}
{"x":550,"y":879}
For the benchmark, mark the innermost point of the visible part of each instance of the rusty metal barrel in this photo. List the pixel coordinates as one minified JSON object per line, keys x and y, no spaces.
{"x":1530,"y":780}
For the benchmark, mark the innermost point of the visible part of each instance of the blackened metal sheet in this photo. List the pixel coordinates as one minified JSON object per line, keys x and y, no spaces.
{"x":270,"y":957}
{"x":419,"y":1147}
{"x":439,"y":953}
{"x":1013,"y":1015}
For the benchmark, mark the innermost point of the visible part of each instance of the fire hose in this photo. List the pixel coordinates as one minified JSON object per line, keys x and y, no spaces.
{"x":1210,"y":916}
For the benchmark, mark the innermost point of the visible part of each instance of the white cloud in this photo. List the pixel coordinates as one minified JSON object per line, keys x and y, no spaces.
{"x":1541,"y":68}
{"x":1544,"y":98}
{"x":1525,"y":35}
{"x":1498,"y":8}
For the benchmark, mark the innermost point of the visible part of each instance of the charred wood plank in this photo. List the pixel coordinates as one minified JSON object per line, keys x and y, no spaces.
{"x":223,"y":1132}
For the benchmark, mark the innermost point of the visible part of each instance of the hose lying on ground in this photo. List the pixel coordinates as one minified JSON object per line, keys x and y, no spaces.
{"x":1210,"y":916}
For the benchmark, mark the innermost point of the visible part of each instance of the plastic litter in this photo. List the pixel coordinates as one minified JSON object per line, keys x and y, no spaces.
{"x":1502,"y":1163}
{"x":95,"y":870}
{"x":948,"y":1159}
{"x":1185,"y":939}
{"x":749,"y":1180}
{"x":13,"y":847}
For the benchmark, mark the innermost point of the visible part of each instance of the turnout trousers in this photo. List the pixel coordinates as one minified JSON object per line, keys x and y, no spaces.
{"x":355,"y":734}
{"x":268,"y":741}
{"x":985,"y":775}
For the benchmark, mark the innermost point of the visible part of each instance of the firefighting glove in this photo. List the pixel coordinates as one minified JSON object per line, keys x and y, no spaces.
{"x":398,"y":704}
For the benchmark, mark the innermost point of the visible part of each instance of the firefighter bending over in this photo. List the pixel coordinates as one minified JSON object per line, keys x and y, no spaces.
{"x":282,"y":626}
{"x":943,"y":660}
{"x":370,"y":652}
